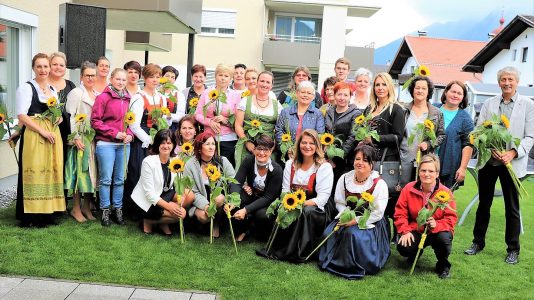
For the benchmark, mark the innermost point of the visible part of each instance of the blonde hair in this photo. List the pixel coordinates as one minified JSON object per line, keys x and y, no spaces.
{"x":373,"y":101}
{"x":222,"y":68}
{"x":58,"y":54}
{"x":116,"y":71}
{"x":251,"y":70}
{"x":318,"y":157}
{"x":430,"y":158}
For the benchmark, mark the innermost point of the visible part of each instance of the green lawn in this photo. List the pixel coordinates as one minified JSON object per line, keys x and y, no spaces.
{"x":122,"y":255}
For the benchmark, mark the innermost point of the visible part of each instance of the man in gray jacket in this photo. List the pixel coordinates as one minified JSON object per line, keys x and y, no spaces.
{"x":520,"y":111}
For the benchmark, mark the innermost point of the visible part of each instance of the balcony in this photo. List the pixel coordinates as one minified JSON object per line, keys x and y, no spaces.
{"x":290,"y":51}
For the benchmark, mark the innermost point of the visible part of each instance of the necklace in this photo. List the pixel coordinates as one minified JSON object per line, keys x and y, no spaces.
{"x":166,"y":175}
{"x":258,"y":103}
{"x":358,"y":181}
{"x":207,"y":161}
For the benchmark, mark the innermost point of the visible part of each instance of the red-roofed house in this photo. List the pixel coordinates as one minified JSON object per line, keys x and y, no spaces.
{"x":443,"y":57}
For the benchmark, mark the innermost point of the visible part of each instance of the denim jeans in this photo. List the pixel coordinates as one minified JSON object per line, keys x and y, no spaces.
{"x":111,"y":162}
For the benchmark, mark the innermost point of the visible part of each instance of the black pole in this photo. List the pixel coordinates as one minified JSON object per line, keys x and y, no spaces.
{"x":146,"y":58}
{"x":190,"y":56}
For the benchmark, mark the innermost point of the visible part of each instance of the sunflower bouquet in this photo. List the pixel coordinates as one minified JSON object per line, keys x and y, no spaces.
{"x":167,"y":88}
{"x":288,"y":210}
{"x":360,"y":203}
{"x":252,"y":129}
{"x":246,"y":93}
{"x":84,"y":132}
{"x":421,"y":70}
{"x":441,"y":201}
{"x":5,"y":127}
{"x":53,"y":113}
{"x":181,"y":183}
{"x":219,"y":185}
{"x":363,"y":128}
{"x":129,"y":119}
{"x":424,"y":132}
{"x":159,"y":118}
{"x":493,"y":135}
{"x":193,"y":102}
{"x":216,"y":98}
{"x":286,"y":142}
{"x":331,"y":146}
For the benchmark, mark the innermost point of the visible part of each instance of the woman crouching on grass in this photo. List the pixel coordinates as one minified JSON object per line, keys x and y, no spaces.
{"x":154,"y":192}
{"x":416,"y":195}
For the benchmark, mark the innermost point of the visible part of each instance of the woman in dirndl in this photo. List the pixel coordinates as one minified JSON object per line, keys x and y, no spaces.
{"x":40,"y":177}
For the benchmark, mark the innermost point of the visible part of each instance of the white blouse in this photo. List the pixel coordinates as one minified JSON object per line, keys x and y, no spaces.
{"x":268,"y":111}
{"x":380,"y":193}
{"x":137,"y":105}
{"x":24,"y":96}
{"x":324,"y":181}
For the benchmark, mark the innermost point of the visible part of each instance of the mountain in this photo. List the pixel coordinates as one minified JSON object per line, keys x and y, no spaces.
{"x":475,"y":30}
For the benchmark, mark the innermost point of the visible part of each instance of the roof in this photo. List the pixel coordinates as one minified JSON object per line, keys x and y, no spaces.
{"x":501,"y":41}
{"x":443,"y":57}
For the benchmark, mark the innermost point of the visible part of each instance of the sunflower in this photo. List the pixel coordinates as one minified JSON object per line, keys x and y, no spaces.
{"x":471,"y":139}
{"x":80,"y":118}
{"x":129,"y":118}
{"x":487,"y":124}
{"x":443,"y":196}
{"x":52,"y":101}
{"x":359,"y":120}
{"x":177,"y":165}
{"x":215,"y":176}
{"x":286,"y":137}
{"x":301,"y":196}
{"x":2,"y":118}
{"x":505,"y":121}
{"x":211,"y":169}
{"x":245,"y":94}
{"x":187,"y":148}
{"x":213,"y":94}
{"x":423,"y":71}
{"x":165,"y":111}
{"x":429,"y":125}
{"x":255,"y":123}
{"x":368,"y":197}
{"x":323,"y":110}
{"x":327,"y":139}
{"x":193,"y":102}
{"x":290,"y":201}
{"x":163,"y":80}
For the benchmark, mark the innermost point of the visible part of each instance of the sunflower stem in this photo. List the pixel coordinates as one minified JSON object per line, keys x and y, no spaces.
{"x":419,"y":248}
{"x":232,"y":231}
{"x":211,"y":230}
{"x":336,"y":228}
{"x":274,"y":236}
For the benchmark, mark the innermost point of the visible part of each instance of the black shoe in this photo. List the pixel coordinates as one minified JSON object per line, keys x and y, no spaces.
{"x":474,"y":249}
{"x":105,"y":218}
{"x":119,"y":218}
{"x":445,"y":274}
{"x":512,"y":257}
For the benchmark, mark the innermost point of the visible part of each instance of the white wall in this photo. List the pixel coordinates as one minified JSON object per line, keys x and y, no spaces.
{"x":332,"y":40}
{"x":505,"y":58}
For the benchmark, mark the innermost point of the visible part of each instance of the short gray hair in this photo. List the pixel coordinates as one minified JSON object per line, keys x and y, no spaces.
{"x":509,"y":70}
{"x":363,"y":72}
{"x":306,"y":85}
{"x":87,"y":65}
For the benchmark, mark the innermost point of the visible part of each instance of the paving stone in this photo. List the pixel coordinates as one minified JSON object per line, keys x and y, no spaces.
{"x":198,"y":296}
{"x":146,"y":294}
{"x":47,"y":285}
{"x":31,"y":294}
{"x":4,"y":291}
{"x":96,"y":291}
{"x":8,"y":282}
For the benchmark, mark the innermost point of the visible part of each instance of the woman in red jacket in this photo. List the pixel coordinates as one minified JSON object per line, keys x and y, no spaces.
{"x":413,"y":197}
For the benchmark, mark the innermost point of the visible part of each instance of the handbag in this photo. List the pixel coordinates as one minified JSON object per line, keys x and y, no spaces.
{"x":395,"y":173}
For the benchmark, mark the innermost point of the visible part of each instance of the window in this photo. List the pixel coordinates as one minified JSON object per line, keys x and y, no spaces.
{"x":524,"y":56}
{"x":514,"y":54}
{"x":218,"y":23}
{"x":298,"y":29}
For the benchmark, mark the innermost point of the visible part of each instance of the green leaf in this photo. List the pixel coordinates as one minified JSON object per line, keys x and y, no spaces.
{"x":347,"y":215}
{"x":362,"y":222}
{"x":352,"y":199}
{"x":234,"y":199}
{"x":273,"y":207}
{"x":212,"y":209}
{"x":422,"y":216}
{"x":216,"y":192}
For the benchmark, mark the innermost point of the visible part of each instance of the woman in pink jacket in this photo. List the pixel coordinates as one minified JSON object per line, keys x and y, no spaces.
{"x":112,"y":143}
{"x":217,"y":117}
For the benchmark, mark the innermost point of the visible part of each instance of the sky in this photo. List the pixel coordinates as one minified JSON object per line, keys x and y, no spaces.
{"x":397,"y":18}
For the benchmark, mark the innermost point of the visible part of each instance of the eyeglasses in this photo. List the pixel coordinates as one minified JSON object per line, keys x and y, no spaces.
{"x":263,"y":149}
{"x":89,"y":76}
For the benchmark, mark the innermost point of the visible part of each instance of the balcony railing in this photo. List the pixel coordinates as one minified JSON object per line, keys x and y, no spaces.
{"x":293,"y":38}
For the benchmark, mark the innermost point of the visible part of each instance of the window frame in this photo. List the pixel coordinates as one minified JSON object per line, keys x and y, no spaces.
{"x":524,"y":54}
{"x":218,"y":30}
{"x":293,"y":25}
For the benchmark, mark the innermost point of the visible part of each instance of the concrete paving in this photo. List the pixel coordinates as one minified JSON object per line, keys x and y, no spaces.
{"x":22,"y":288}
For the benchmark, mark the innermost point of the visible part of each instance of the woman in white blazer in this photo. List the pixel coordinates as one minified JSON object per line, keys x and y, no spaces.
{"x":154,"y":192}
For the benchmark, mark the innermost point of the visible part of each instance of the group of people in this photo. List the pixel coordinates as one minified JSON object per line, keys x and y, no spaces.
{"x":128,"y":164}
